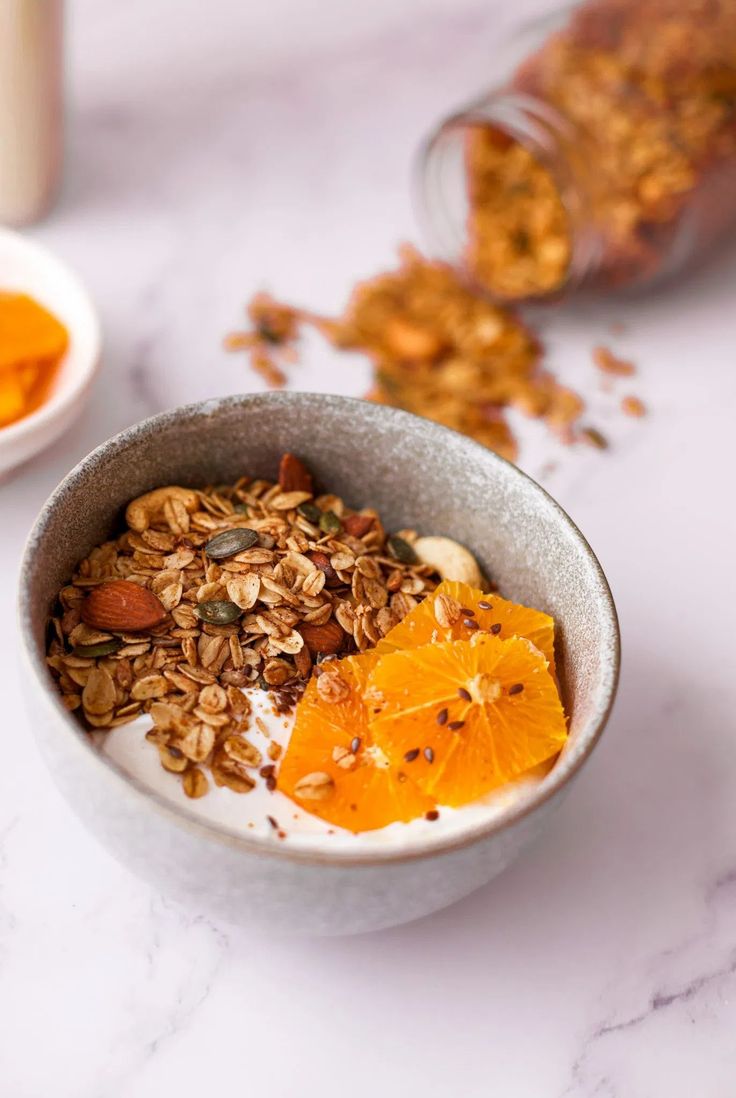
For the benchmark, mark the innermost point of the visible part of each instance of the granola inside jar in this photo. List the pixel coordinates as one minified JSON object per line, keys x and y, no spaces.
{"x":607,"y":160}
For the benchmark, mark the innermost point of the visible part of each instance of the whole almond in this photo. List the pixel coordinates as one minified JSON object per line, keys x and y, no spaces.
{"x":357,"y":525}
{"x":303,"y":662}
{"x":324,"y":639}
{"x":122,"y":606}
{"x":323,"y":563}
{"x":294,"y":475}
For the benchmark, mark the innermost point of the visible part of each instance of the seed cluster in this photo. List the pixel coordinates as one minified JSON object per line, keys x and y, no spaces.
{"x":247,"y":586}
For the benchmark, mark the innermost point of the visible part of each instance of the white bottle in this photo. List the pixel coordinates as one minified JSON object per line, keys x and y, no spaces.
{"x":30,"y":107}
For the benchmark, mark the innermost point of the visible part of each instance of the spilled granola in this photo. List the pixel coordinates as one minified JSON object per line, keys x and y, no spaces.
{"x":438,"y":349}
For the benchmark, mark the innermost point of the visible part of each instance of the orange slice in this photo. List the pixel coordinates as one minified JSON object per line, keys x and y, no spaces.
{"x":28,"y":332}
{"x":332,"y":767}
{"x":464,"y":717}
{"x":440,"y":617}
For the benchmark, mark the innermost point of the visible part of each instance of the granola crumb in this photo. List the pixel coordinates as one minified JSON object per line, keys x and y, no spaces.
{"x":609,"y":363}
{"x":593,"y":437}
{"x":633,"y":406}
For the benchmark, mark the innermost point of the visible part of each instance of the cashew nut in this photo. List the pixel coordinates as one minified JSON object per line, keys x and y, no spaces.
{"x":141,"y":512}
{"x":452,"y":560}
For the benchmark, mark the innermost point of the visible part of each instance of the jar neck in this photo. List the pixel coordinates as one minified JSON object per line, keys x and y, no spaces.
{"x":441,"y":180}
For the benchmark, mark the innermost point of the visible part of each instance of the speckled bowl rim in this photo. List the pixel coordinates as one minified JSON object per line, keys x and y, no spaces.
{"x":425,"y":846}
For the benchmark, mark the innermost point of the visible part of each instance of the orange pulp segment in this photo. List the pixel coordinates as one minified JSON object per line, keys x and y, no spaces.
{"x":332,"y":768}
{"x":32,"y":343}
{"x":28,"y":332}
{"x":464,"y":717}
{"x":440,"y":617}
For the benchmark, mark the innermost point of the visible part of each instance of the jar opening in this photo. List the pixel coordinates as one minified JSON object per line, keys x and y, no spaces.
{"x":497,"y":197}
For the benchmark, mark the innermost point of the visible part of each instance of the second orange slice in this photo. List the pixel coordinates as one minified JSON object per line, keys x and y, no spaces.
{"x":455,"y":611}
{"x":464,"y":717}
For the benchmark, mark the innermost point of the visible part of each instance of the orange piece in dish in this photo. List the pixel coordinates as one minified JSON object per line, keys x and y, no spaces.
{"x":440,"y":617}
{"x":32,"y":343}
{"x":464,"y":717}
{"x":332,"y":768}
{"x":29,"y":334}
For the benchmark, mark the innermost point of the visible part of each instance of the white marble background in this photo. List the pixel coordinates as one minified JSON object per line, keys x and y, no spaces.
{"x":216,"y":148}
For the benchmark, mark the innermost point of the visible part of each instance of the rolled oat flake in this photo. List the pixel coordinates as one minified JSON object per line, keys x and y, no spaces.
{"x":230,"y":542}
{"x":95,"y":651}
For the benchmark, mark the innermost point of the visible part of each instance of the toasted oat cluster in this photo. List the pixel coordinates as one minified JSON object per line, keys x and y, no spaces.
{"x":649,"y":87}
{"x":211,"y":590}
{"x":438,"y":350}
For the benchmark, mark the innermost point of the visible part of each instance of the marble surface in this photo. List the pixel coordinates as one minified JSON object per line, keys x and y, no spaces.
{"x":215,"y":149}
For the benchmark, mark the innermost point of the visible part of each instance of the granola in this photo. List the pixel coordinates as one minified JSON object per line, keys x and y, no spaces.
{"x":438,"y":349}
{"x":518,"y":233}
{"x":288,"y":589}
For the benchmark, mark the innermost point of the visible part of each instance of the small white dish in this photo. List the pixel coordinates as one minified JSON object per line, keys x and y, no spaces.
{"x":29,"y":268}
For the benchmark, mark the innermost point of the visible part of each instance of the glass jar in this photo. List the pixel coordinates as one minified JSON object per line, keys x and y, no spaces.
{"x":607,"y":159}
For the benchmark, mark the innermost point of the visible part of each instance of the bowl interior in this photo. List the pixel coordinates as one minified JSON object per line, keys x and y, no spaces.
{"x":416,"y":473}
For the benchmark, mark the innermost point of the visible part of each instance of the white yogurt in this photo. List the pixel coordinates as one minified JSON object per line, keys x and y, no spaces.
{"x":247,"y":813}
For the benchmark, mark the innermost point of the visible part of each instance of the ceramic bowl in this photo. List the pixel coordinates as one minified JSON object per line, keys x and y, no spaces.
{"x":27,"y":267}
{"x":418,"y":475}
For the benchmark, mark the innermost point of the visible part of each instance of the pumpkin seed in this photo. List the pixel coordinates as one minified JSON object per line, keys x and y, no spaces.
{"x":401,"y":550}
{"x":330,"y":523}
{"x":92,"y":651}
{"x":230,"y":542}
{"x":218,"y":611}
{"x":241,"y":508}
{"x":311,"y":512}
